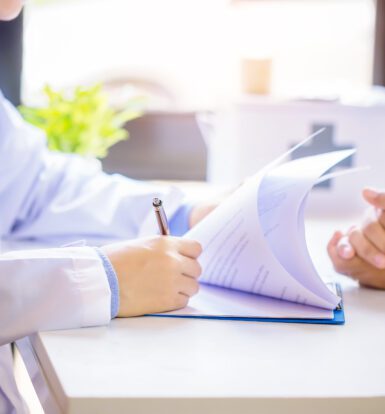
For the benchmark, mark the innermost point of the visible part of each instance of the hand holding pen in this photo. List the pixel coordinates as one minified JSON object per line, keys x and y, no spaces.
{"x":155,"y":274}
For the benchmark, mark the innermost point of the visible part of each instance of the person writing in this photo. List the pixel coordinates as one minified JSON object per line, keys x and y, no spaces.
{"x":57,"y":198}
{"x":360,"y":252}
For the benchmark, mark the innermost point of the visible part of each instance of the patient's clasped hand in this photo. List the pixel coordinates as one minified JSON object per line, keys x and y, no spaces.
{"x":359,"y":252}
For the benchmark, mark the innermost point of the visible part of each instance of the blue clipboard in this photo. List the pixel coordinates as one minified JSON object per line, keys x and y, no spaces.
{"x":338,"y":318}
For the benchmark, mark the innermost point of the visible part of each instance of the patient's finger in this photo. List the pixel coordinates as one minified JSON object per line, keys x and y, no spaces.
{"x":345,"y":248}
{"x":336,"y":237}
{"x":381,"y":217}
{"x":374,"y":197}
{"x":366,"y":250}
{"x":375,"y":233}
{"x":340,"y":265}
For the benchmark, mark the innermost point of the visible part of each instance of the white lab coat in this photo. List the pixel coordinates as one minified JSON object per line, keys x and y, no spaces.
{"x":58,"y":198}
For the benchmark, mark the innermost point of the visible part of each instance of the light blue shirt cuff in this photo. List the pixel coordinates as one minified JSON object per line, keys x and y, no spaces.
{"x":112,"y":281}
{"x":179,"y":222}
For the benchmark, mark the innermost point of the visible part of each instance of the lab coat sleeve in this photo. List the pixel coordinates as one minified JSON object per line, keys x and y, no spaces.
{"x":52,"y":289}
{"x":60,"y":198}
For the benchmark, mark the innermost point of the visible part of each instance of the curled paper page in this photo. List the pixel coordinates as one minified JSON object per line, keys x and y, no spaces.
{"x":281,"y":207}
{"x":255,"y":241}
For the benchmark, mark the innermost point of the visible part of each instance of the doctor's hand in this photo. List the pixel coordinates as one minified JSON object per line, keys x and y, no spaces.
{"x":156,"y":274}
{"x":200,"y":211}
{"x":360,"y":252}
{"x":204,"y":208}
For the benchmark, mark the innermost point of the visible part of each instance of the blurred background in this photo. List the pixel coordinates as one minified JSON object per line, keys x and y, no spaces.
{"x":189,"y":51}
{"x":190,"y":56}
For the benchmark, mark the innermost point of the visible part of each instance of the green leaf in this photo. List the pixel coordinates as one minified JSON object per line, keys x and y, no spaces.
{"x":82,"y":121}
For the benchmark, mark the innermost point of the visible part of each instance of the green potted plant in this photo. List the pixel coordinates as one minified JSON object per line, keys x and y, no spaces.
{"x":82,"y":121}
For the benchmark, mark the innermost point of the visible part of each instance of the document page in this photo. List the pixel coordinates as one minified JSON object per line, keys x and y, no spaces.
{"x":281,"y":206}
{"x":221,"y":302}
{"x":237,"y":252}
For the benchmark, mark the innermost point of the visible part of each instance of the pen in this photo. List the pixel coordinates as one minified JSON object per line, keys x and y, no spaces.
{"x":160,"y":216}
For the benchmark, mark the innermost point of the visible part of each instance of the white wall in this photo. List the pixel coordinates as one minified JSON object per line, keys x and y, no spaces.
{"x":194,"y":46}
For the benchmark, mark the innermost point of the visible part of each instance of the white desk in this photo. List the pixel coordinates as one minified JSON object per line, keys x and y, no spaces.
{"x":166,"y":366}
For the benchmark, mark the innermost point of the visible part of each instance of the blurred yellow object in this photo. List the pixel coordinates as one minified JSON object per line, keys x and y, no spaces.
{"x":256,"y":76}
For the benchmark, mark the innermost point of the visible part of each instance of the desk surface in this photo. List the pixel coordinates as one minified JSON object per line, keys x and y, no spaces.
{"x":145,"y":365}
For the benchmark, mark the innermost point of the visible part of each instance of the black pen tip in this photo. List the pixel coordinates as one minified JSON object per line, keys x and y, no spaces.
{"x":156,"y":202}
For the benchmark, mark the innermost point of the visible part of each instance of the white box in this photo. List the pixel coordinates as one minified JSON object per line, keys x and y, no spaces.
{"x":252,"y":133}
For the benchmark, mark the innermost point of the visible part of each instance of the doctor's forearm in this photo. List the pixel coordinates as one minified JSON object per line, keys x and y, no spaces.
{"x":52,"y":289}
